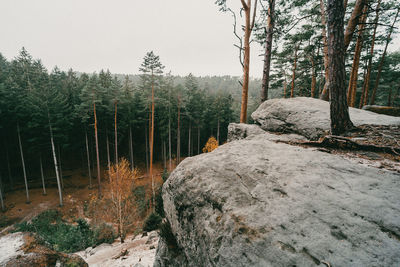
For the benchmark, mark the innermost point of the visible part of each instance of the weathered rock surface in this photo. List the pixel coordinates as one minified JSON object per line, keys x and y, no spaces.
{"x":309,"y":116}
{"x":21,"y":249}
{"x":255,"y":202}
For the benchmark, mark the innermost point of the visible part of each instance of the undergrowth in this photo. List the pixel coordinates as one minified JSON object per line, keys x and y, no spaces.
{"x":60,"y":236}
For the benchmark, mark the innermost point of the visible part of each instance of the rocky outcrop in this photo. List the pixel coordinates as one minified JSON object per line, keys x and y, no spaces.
{"x":392,"y":111}
{"x":309,"y":116}
{"x":22,"y":249}
{"x":256,"y":201}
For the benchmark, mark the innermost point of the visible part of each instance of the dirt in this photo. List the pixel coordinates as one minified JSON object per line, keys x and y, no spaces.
{"x":76,"y":193}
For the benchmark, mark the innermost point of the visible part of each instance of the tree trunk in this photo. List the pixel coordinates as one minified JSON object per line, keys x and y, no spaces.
{"x":189,"y":139}
{"x":198,"y":140}
{"x":53,"y":149}
{"x":284,"y":84}
{"x":352,"y":90}
{"x":246,"y":59}
{"x":325,"y":93}
{"x":88,"y":160}
{"x":178,"y":138}
{"x":3,"y":208}
{"x":60,"y":168}
{"x":378,"y":75}
{"x":165,"y":155}
{"x":294,"y":71}
{"x":353,"y":22}
{"x":313,"y":77}
{"x":364,"y":77}
{"x":268,"y":50}
{"x":23,"y":165}
{"x":169,"y":144}
{"x":131,"y":146}
{"x":152,"y":139}
{"x":339,"y":111}
{"x":97,"y":150}
{"x":9,"y":168}
{"x":368,"y":76}
{"x":146,"y":146}
{"x":218,"y":131}
{"x":108,"y":152}
{"x":42,"y":175}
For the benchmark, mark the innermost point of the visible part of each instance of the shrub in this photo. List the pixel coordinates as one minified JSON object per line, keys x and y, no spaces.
{"x":57,"y":234}
{"x":152,"y":222}
{"x":105,"y":234}
{"x":210,"y":145}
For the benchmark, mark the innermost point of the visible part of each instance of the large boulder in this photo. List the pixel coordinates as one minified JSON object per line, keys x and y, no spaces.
{"x":256,"y":202}
{"x":309,"y":116}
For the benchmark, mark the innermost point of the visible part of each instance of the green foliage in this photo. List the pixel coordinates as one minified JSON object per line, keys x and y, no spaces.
{"x":60,"y":236}
{"x":105,"y":233}
{"x":152,"y":222}
{"x":139,"y":194}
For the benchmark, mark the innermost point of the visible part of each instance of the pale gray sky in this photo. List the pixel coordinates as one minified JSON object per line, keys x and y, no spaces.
{"x":88,"y":35}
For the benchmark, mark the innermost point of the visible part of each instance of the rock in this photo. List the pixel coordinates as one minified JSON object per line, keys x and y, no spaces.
{"x":392,"y":111}
{"x":237,"y":131}
{"x":21,"y":249}
{"x":309,"y":116}
{"x":255,"y":202}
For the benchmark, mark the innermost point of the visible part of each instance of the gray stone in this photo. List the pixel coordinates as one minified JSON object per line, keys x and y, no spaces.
{"x":255,"y":202}
{"x":309,"y":116}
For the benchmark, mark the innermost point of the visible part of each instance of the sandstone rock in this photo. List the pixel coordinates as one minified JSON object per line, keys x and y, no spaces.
{"x":255,"y":202}
{"x":309,"y":116}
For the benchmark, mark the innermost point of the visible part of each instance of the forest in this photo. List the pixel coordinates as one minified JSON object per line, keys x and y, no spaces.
{"x":57,"y":121}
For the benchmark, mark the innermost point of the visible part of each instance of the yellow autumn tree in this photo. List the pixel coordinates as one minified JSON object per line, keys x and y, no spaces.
{"x":121,"y":182}
{"x":210,"y":145}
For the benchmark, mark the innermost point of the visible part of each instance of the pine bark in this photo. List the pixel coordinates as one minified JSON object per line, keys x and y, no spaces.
{"x":152,"y":139}
{"x":325,"y":93}
{"x":368,"y":76}
{"x":294,"y":71}
{"x":97,"y":150}
{"x":23,"y":165}
{"x":313,"y":76}
{"x":339,"y":111}
{"x":88,"y":160}
{"x":60,"y":167}
{"x":42,"y":175}
{"x":353,"y":22}
{"x":378,"y":75}
{"x":352,"y":89}
{"x":108,"y":152}
{"x":268,"y":50}
{"x":53,"y":149}
{"x":178,"y":138}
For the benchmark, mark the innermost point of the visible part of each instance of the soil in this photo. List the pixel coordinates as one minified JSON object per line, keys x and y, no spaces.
{"x":76,"y":193}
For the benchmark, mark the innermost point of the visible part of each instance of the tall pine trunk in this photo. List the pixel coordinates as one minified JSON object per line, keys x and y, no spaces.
{"x":189,"y":139}
{"x":146,"y":147}
{"x":352,"y":90}
{"x":378,"y":75}
{"x":313,"y":77}
{"x":152,"y":140}
{"x":3,"y":208}
{"x":368,"y":76}
{"x":23,"y":164}
{"x":53,"y":149}
{"x":339,"y":110}
{"x":325,"y":93}
{"x":60,"y":167}
{"x":108,"y":152}
{"x":294,"y":71}
{"x":88,"y":160}
{"x":198,"y":139}
{"x":178,"y":137}
{"x":169,"y":144}
{"x":42,"y":175}
{"x":131,"y":146}
{"x":268,"y":50}
{"x":9,"y":167}
{"x":97,"y":149}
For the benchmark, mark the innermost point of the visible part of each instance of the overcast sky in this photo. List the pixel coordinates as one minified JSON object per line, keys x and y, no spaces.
{"x":89,"y":35}
{"x":190,"y":36}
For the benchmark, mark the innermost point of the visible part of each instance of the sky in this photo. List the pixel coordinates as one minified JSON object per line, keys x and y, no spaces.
{"x":190,"y":36}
